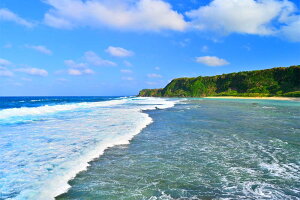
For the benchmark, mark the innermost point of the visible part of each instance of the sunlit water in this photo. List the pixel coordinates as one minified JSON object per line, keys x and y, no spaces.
{"x":203,"y":149}
{"x":46,"y":141}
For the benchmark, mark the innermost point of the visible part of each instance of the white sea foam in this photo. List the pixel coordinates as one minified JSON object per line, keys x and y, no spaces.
{"x":29,"y":111}
{"x":125,"y":115}
{"x":262,"y":190}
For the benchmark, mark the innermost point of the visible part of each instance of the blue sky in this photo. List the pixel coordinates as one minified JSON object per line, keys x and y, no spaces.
{"x":117,"y":47}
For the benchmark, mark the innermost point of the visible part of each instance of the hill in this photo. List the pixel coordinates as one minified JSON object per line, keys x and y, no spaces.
{"x":280,"y":81}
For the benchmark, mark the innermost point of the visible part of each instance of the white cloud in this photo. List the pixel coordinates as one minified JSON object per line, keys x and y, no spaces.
{"x":77,"y":72}
{"x":77,"y":69}
{"x":157,"y":68}
{"x":260,"y":17}
{"x":73,"y":64}
{"x":126,"y":71}
{"x":4,"y":62}
{"x":241,"y":16}
{"x":74,"y":72}
{"x":211,"y":61}
{"x":7,"y":15}
{"x":93,"y":59}
{"x":40,"y":48}
{"x":119,"y":51}
{"x":154,"y":75}
{"x":148,"y":15}
{"x":127,"y":78}
{"x":33,"y":71}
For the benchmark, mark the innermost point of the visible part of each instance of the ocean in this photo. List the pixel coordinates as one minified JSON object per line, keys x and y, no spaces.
{"x":148,"y":148}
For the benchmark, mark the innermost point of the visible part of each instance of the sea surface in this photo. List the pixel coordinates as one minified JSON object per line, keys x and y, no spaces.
{"x":130,"y":148}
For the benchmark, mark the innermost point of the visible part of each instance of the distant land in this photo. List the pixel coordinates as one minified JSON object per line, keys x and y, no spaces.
{"x":275,"y":82}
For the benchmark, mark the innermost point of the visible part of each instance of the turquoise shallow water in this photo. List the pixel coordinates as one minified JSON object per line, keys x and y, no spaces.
{"x":203,"y":149}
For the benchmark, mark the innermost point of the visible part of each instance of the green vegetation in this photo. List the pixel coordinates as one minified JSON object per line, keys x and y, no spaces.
{"x":281,"y":81}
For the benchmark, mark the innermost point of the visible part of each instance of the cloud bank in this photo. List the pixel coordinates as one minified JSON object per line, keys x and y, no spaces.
{"x":260,"y":17}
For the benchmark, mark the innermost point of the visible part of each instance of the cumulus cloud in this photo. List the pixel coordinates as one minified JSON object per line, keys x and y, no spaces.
{"x":4,"y":62}
{"x":33,"y":71}
{"x":247,"y":16}
{"x":92,"y":58}
{"x":40,"y":48}
{"x":74,"y":72}
{"x":7,"y":15}
{"x":77,"y":69}
{"x":148,"y":15}
{"x":82,"y":68}
{"x":260,"y":17}
{"x":211,"y":61}
{"x":73,"y":64}
{"x":78,"y":72}
{"x":154,"y":76}
{"x":119,"y":51}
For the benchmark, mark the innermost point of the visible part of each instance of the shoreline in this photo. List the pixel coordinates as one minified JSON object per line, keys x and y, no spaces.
{"x":262,"y":98}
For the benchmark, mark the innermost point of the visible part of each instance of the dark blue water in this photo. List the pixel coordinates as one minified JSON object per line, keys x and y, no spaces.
{"x":18,"y":102}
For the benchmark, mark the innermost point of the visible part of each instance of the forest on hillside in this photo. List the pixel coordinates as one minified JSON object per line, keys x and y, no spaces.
{"x":280,"y":81}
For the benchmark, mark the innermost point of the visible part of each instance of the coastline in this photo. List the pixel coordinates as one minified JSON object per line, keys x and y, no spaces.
{"x":262,"y":98}
{"x":199,"y":134}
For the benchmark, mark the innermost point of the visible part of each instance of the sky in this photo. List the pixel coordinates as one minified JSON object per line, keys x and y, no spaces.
{"x":118,"y":47}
